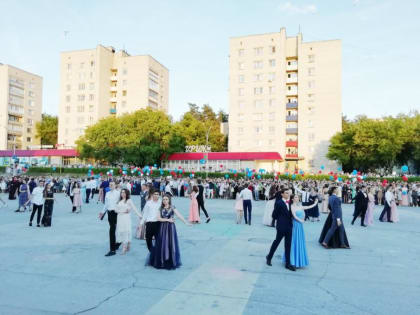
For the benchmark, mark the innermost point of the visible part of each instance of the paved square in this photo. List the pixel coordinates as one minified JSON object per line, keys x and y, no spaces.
{"x":62,"y":269}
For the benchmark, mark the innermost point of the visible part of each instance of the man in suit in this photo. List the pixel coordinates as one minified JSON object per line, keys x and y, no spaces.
{"x":337,"y":220}
{"x":389,"y":196}
{"x":360,"y":205}
{"x":200,"y":200}
{"x":284,"y":226}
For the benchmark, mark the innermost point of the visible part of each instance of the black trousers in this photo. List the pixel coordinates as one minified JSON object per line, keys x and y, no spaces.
{"x":152,"y":230}
{"x":92,"y":192}
{"x":362,"y":217}
{"x":247,"y":205}
{"x":287,"y":234}
{"x":88,"y":191}
{"x":387,"y":210}
{"x":36,"y":208}
{"x":200,"y":202}
{"x":112,"y":220}
{"x":74,"y":208}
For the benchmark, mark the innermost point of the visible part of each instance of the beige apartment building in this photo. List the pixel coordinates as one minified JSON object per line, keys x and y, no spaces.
{"x":97,"y":83}
{"x":285,"y":96}
{"x":20,"y":108}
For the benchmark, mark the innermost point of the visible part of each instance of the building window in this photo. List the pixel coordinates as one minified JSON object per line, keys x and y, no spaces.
{"x":240,"y":117}
{"x":29,"y":121}
{"x":311,"y":136}
{"x":241,"y":78}
{"x":311,"y":97}
{"x":69,"y":66}
{"x":272,"y":116}
{"x":311,"y":163}
{"x":31,"y":103}
{"x":123,"y":103}
{"x":272,"y":62}
{"x":29,"y":130}
{"x":241,"y":92}
{"x":91,"y":75}
{"x":31,"y":93}
{"x":258,"y":77}
{"x":152,"y":84}
{"x":311,"y":58}
{"x":311,"y":84}
{"x":68,"y":98}
{"x":258,"y":129}
{"x":273,"y":49}
{"x":271,"y":142}
{"x":92,"y":63}
{"x":272,"y":89}
{"x":124,"y":71}
{"x":258,"y":91}
{"x":310,"y":124}
{"x":258,"y":51}
{"x":240,"y":130}
{"x":82,"y":65}
{"x":30,"y":112}
{"x":91,"y":97}
{"x":90,"y":119}
{"x":311,"y":110}
{"x":91,"y":108}
{"x":81,"y":97}
{"x":152,"y":94}
{"x":241,"y":66}
{"x":81,"y":86}
{"x":68,"y":87}
{"x":241,"y":104}
{"x":258,"y":64}
{"x":258,"y":116}
{"x":258,"y":104}
{"x":28,"y":139}
{"x":241,"y":52}
{"x":311,"y":71}
{"x":124,"y":82}
{"x":271,"y":76}
{"x":80,"y":120}
{"x":80,"y":109}
{"x":272,"y":102}
{"x":67,"y":109}
{"x":271,"y":129}
{"x":91,"y":86}
{"x":124,"y":93}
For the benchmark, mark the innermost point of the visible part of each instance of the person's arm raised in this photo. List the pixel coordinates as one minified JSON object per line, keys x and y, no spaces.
{"x":179,"y":215}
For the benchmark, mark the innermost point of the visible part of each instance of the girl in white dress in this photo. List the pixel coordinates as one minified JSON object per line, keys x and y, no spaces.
{"x":124,"y":208}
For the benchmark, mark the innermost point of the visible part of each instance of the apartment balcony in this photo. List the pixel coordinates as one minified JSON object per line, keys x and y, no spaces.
{"x":293,"y":67}
{"x":292,"y":118}
{"x":292,"y":92}
{"x":113,"y":89}
{"x":291,"y":131}
{"x":292,"y":156}
{"x":113,"y":99}
{"x":14,"y":131}
{"x":17,"y":83}
{"x":291,"y":144}
{"x":113,"y":111}
{"x":16,"y":112}
{"x":114,"y":78}
{"x":291,"y":105}
{"x":292,"y":80}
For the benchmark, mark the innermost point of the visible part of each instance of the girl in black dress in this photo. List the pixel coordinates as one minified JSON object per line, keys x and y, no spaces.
{"x":48,"y":205}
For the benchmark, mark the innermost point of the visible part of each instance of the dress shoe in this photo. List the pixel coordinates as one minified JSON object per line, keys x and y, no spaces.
{"x":364,"y":225}
{"x":291,"y":267}
{"x":208,"y":220}
{"x":30,"y":223}
{"x":325,"y":245}
{"x":268,"y":261}
{"x":345,"y":246}
{"x":38,"y":225}
{"x":111,"y":253}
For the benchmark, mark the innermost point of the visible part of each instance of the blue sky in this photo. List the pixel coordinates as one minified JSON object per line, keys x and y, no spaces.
{"x":381,"y":63}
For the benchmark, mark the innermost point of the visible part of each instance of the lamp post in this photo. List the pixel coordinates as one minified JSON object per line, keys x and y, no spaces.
{"x":207,"y":154}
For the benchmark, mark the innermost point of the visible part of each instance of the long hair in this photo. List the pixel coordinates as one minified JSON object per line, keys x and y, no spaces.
{"x":127,"y":194}
{"x":170,"y":202}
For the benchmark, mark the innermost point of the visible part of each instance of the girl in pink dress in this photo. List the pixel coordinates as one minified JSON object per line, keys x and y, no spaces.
{"x":394,"y":212}
{"x":77,"y":197}
{"x":370,"y":208}
{"x":404,"y":197}
{"x":239,"y":207}
{"x":194,"y":216}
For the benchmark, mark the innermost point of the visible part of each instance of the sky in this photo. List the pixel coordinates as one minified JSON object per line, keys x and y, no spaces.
{"x":380,"y":40}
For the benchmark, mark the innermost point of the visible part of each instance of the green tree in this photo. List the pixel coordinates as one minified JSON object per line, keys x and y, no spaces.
{"x":47,"y":130}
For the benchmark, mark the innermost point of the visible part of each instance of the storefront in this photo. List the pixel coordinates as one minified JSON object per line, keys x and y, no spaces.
{"x":39,"y":157}
{"x":224,"y":161}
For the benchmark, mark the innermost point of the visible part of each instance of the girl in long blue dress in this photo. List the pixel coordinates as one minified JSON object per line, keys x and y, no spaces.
{"x":166,"y":254}
{"x":23,"y":196}
{"x":298,"y":254}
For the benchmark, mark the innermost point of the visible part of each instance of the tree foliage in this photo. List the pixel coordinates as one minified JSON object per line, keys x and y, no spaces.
{"x":372,"y":144}
{"x":47,"y":130}
{"x":196,"y":124}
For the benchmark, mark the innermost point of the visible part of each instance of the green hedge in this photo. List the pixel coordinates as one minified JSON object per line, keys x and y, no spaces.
{"x":156,"y":173}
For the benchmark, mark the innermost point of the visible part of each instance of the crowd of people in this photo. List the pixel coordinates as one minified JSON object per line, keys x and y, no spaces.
{"x":288,"y":205}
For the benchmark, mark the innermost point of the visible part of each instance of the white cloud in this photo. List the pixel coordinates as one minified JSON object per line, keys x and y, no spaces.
{"x":291,"y":8}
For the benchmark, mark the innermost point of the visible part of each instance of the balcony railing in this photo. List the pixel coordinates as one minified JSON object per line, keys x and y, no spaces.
{"x":113,"y":99}
{"x":291,"y":131}
{"x":113,"y":111}
{"x":291,"y":105}
{"x":292,"y":92}
{"x":292,"y":118}
{"x":16,"y":82}
{"x":291,"y":144}
{"x":292,"y":156}
{"x":114,"y":78}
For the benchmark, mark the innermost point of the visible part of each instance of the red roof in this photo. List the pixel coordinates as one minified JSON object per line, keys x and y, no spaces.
{"x":47,"y":152}
{"x":244,"y":156}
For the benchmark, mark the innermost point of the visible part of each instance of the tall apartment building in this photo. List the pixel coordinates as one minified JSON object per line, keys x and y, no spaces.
{"x":20,"y":107}
{"x":285,"y":96}
{"x":100,"y":82}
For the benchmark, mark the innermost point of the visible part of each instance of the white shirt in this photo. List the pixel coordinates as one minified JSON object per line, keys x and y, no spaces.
{"x":389,"y":196}
{"x":246,"y":194}
{"x":112,"y":198}
{"x":305,"y":194}
{"x":151,"y":211}
{"x":91,"y":184}
{"x":38,"y":195}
